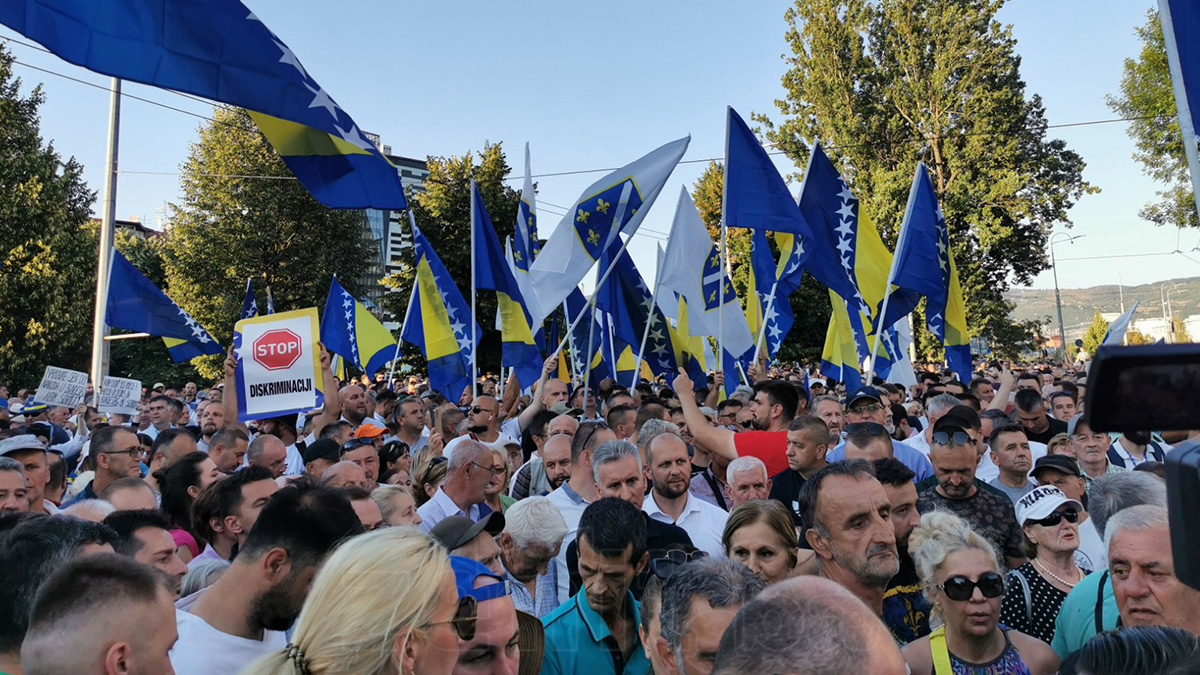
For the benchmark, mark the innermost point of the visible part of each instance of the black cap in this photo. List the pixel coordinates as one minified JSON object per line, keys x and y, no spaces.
{"x":455,"y":531}
{"x":1061,"y":463}
{"x":325,"y":448}
{"x":949,"y":424}
{"x":864,"y":392}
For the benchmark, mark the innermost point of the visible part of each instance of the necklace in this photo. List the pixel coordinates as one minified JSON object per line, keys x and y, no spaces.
{"x":1042,"y":566}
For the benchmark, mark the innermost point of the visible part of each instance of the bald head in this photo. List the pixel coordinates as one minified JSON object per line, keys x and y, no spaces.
{"x":354,"y":403}
{"x":268,"y":452}
{"x":807,"y":620}
{"x":345,"y":474}
{"x":554,"y":391}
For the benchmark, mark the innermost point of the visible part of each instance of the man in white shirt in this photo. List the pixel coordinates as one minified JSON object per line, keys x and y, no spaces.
{"x":670,"y":501}
{"x":243,"y":615}
{"x":468,"y":472}
{"x":573,"y":496}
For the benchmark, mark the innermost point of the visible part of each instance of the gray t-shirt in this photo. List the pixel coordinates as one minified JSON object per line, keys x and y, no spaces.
{"x":1013,"y":493}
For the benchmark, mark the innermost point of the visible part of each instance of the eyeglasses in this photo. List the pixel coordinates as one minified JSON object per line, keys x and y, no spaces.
{"x":672,"y":560}
{"x":490,"y":469}
{"x":960,"y":589}
{"x":1055,"y":518}
{"x":868,"y":408}
{"x":475,"y":410}
{"x":870,"y":428}
{"x":464,"y":618}
{"x":959,"y":438}
{"x":134,"y":453}
{"x":591,"y":429}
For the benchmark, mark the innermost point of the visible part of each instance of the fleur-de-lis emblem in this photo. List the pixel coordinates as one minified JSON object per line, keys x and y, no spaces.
{"x":593,"y":237}
{"x":517,"y":256}
{"x":531,"y":222}
{"x":582,"y":216}
{"x":714,"y":261}
{"x":712,"y":297}
{"x":602,"y":206}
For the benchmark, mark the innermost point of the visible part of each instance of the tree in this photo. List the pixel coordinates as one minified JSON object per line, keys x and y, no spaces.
{"x":229,"y":228}
{"x":1094,"y":336}
{"x":443,"y":212}
{"x":1148,"y":99}
{"x":1179,"y":331}
{"x":810,"y":302}
{"x":1134,"y":337}
{"x":889,"y":83}
{"x":47,"y":244}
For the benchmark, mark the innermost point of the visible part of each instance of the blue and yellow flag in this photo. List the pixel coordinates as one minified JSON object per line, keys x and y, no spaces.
{"x":136,"y":304}
{"x":1181,"y":37}
{"x":270,"y":302}
{"x":439,"y":321}
{"x":756,"y":196}
{"x":249,"y":304}
{"x":219,"y":50}
{"x":589,"y":331}
{"x":348,"y":328}
{"x":518,"y":349}
{"x":925,"y":267}
{"x":627,"y":300}
{"x":839,"y":358}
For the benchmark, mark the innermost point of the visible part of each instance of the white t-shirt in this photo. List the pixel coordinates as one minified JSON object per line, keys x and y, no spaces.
{"x":202,"y":649}
{"x":1091,"y":552}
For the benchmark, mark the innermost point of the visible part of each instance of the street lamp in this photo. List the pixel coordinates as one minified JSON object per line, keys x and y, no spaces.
{"x":1168,"y":313}
{"x":1062,"y":333}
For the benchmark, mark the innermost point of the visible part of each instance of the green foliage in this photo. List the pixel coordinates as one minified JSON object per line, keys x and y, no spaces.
{"x":1134,"y":337}
{"x":1094,"y":335}
{"x":228,"y":229}
{"x":1147,"y":97}
{"x":443,"y":212}
{"x":810,"y":302}
{"x":1179,"y":331}
{"x":47,"y":245}
{"x":885,"y":84}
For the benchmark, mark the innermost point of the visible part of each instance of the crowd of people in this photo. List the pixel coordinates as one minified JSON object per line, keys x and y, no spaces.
{"x":671,"y":528}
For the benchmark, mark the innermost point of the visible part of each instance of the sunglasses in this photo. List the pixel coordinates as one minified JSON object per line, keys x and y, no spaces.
{"x":960,"y":589}
{"x":1055,"y":518}
{"x":959,"y":438}
{"x":672,"y":560}
{"x":475,"y":410}
{"x":746,"y":424}
{"x":464,"y":618}
{"x":355,"y":443}
{"x":868,"y":408}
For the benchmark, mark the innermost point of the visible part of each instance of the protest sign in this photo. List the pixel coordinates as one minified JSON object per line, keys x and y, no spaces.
{"x":60,"y":386}
{"x":119,"y":395}
{"x":278,"y":364}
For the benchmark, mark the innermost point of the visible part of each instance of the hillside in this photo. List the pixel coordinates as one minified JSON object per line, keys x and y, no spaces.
{"x":1080,"y":304}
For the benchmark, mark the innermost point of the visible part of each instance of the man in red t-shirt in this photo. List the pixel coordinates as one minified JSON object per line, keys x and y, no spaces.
{"x":773,"y":406}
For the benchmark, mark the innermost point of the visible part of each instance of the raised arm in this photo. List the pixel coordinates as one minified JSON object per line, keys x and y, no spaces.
{"x":535,"y":406}
{"x":229,"y":396}
{"x":715,"y":394}
{"x":716,"y":440}
{"x":332,"y":409}
{"x":1000,"y":402}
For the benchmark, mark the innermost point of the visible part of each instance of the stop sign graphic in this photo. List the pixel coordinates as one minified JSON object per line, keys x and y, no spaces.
{"x":277,"y":349}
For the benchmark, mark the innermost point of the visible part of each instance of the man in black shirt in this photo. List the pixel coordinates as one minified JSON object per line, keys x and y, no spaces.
{"x":1031,"y":411}
{"x":905,"y":607}
{"x":807,"y":443}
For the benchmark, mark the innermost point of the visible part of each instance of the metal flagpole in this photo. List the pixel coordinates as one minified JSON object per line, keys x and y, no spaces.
{"x":392,"y":368}
{"x":591,"y":301}
{"x":104,"y":258}
{"x":724,"y":230}
{"x":587,"y":359}
{"x":570,"y":336}
{"x":762,"y":329}
{"x":474,"y":292}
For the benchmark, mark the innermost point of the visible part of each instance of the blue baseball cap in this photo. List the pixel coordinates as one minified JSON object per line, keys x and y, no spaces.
{"x":466,"y":571}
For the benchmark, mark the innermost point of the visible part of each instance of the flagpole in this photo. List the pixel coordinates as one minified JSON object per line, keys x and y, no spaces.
{"x":474,"y":292}
{"x":724,"y":230}
{"x":587,"y":359}
{"x":570,"y":336}
{"x":392,"y":368}
{"x":592,"y":301}
{"x":99,"y":366}
{"x":646,"y":331}
{"x":887,"y":288}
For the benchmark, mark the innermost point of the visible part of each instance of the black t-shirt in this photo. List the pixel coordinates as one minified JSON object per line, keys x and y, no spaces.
{"x":660,"y":538}
{"x":785,"y":489}
{"x":1056,"y":427}
{"x":990,"y":515}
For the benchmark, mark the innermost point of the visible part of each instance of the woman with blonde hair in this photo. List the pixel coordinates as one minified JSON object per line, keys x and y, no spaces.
{"x":494,"y":491}
{"x":396,"y":505}
{"x":760,"y":534}
{"x":961,"y":575}
{"x":428,"y":478}
{"x":347,"y":627}
{"x":1060,"y":444}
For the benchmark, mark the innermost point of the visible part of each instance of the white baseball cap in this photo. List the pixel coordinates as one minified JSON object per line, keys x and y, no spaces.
{"x":1040,"y":502}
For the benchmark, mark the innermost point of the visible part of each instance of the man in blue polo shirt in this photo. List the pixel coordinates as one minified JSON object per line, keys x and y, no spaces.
{"x":596,"y":631}
{"x":866,"y":405}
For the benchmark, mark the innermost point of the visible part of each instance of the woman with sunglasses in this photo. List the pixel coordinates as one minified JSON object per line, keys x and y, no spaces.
{"x":348,"y":627}
{"x":493,"y":492}
{"x":1036,"y":590}
{"x":961,"y":575}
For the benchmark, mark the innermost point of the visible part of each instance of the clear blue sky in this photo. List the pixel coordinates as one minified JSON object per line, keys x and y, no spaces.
{"x":596,"y":89}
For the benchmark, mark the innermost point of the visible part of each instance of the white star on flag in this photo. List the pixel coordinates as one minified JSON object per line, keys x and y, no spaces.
{"x":353,"y":137}
{"x":847,"y":210}
{"x":321,"y":100}
{"x":289,"y":57}
{"x":845,"y":194}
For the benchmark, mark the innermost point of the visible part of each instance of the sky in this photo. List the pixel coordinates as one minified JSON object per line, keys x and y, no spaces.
{"x":596,"y":90}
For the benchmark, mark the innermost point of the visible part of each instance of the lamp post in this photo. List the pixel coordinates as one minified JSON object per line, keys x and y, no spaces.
{"x":1168,"y":312}
{"x":1062,"y":333}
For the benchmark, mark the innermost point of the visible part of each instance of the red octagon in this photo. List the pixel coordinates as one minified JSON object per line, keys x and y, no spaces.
{"x":277,"y":349}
